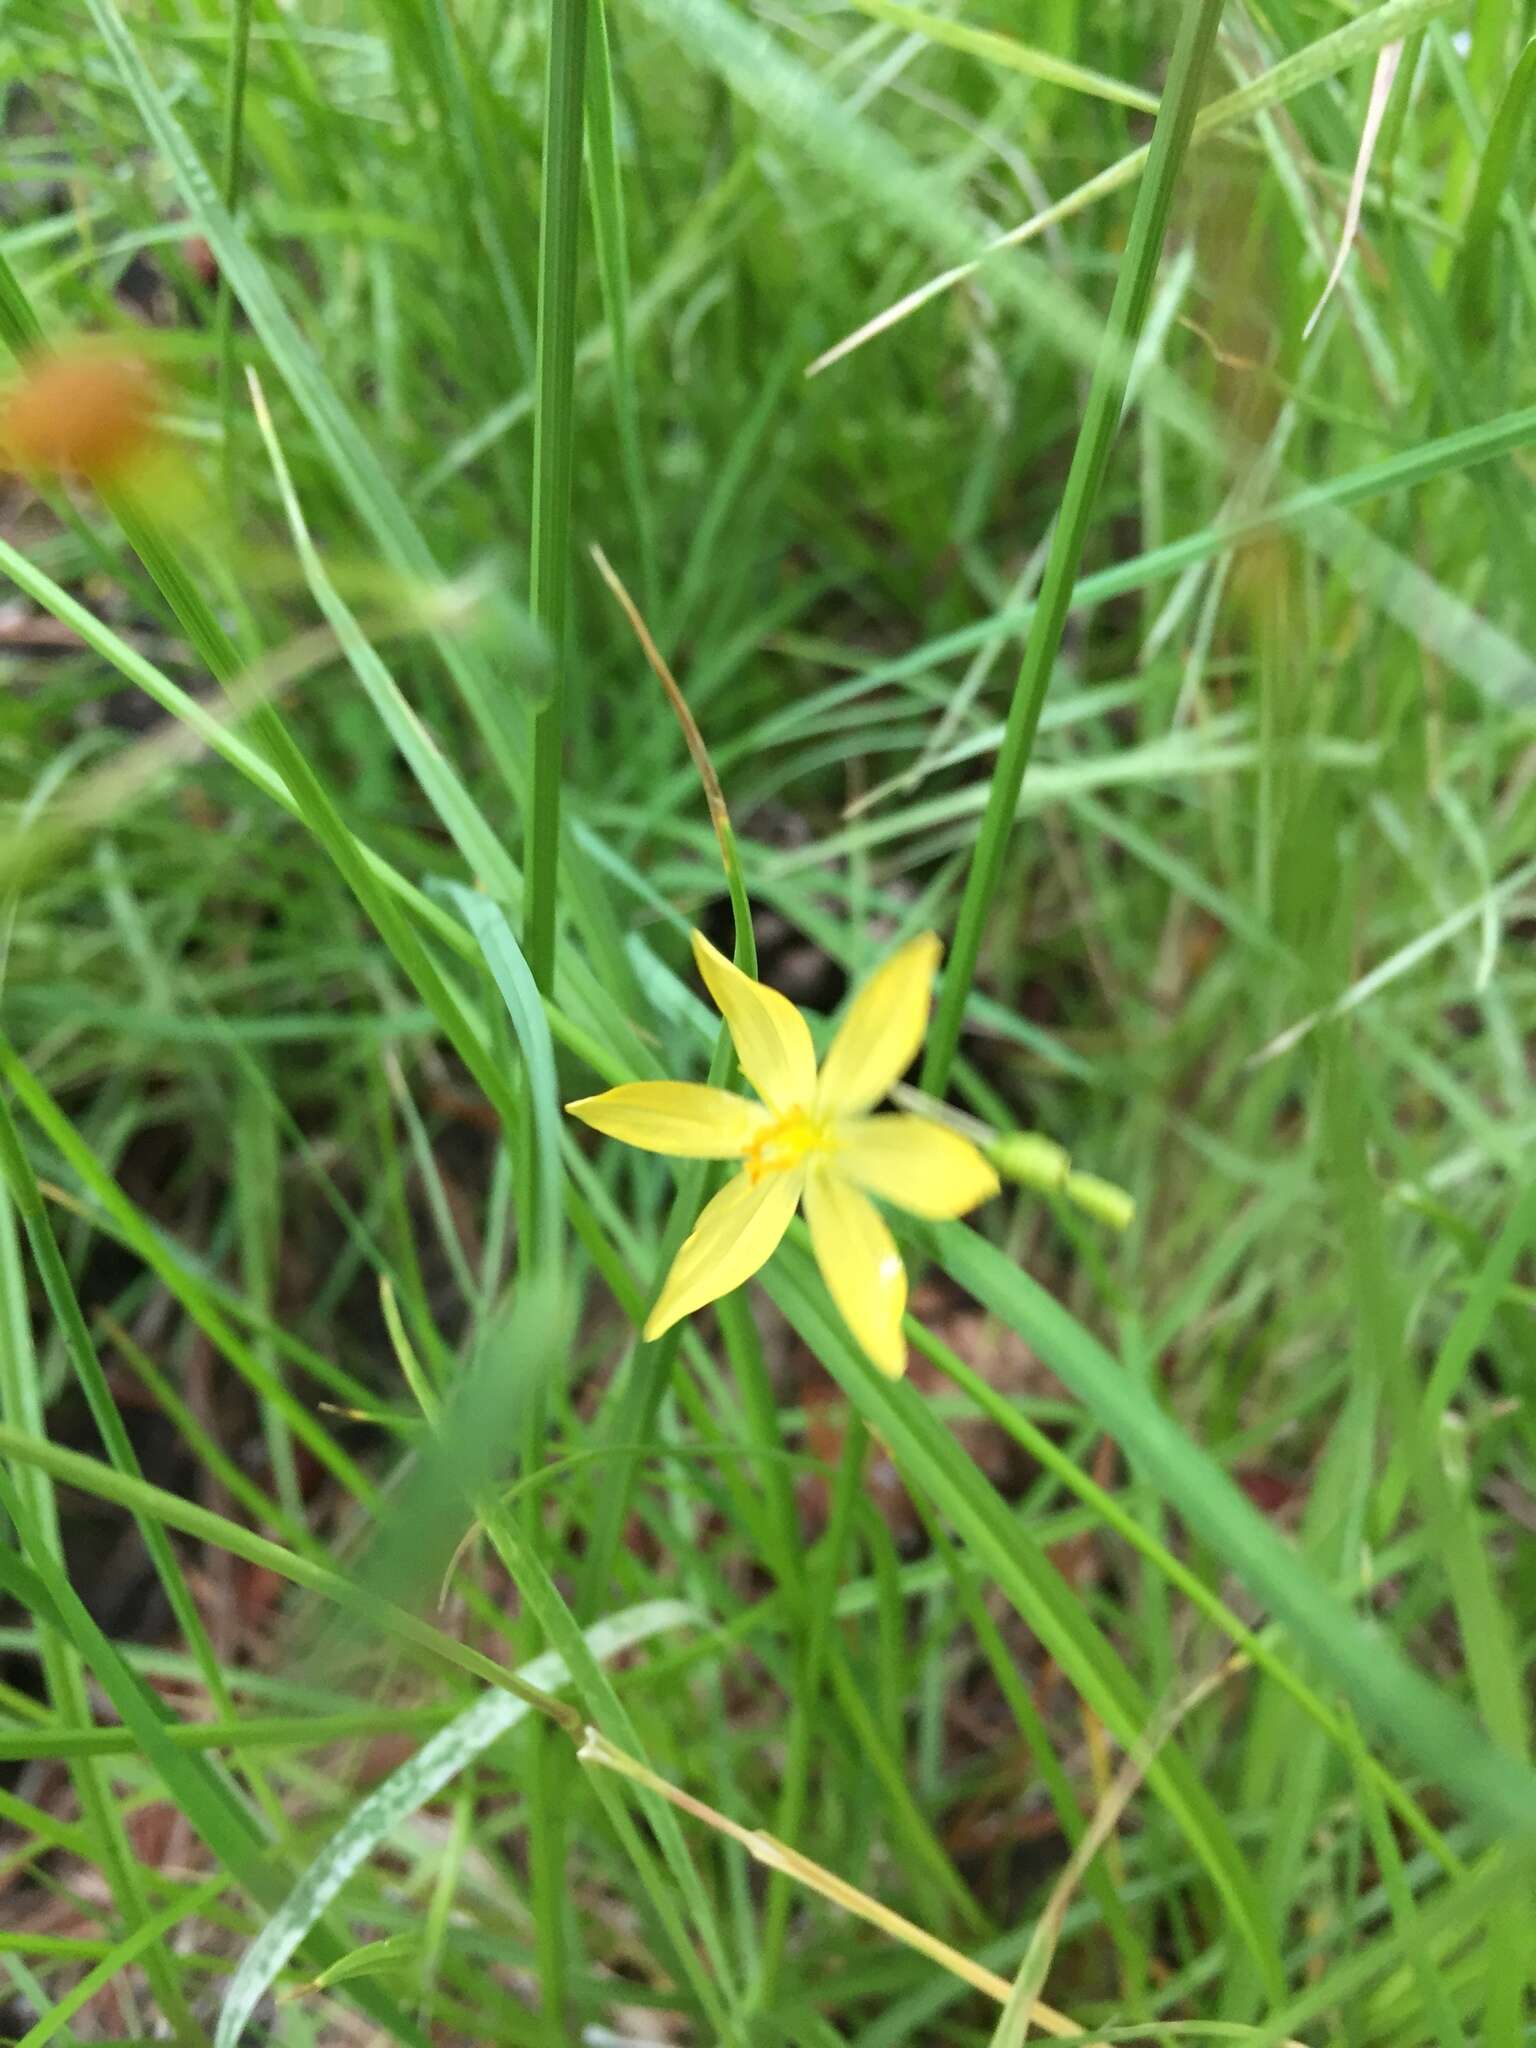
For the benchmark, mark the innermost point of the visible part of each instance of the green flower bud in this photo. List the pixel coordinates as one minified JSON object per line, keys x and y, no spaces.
{"x":1101,"y":1199}
{"x":1026,"y":1156}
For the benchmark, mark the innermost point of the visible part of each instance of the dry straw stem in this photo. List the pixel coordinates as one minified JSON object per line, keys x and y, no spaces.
{"x":777,"y":1855}
{"x":714,"y":795}
{"x":1122,"y":1788}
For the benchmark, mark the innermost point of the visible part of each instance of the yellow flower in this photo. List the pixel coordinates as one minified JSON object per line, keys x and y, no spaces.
{"x":809,"y":1140}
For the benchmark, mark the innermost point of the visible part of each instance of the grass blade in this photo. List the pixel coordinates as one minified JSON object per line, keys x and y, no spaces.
{"x":554,"y":436}
{"x":1090,"y":459}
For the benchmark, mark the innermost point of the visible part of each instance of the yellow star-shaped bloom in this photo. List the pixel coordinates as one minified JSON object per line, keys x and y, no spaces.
{"x":809,"y":1140}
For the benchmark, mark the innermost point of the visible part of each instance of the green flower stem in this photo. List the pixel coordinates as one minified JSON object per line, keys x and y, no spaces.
{"x":1090,"y":458}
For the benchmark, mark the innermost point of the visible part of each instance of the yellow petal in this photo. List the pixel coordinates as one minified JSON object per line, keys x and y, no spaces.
{"x":772,"y":1039}
{"x":734,"y":1235}
{"x":915,"y":1164}
{"x":861,"y":1266}
{"x":675,"y":1117}
{"x":884,"y":1027}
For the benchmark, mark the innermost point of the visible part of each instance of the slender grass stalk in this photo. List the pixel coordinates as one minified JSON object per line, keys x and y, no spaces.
{"x":224,"y":313}
{"x":1090,"y":459}
{"x":549,"y":587}
{"x":553,"y":444}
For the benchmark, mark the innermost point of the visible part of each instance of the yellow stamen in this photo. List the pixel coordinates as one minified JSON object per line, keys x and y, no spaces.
{"x":786,"y":1143}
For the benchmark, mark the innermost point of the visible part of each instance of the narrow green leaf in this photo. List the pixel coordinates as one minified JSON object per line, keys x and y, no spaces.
{"x":554,"y":436}
{"x":1090,"y":459}
{"x":1471,"y":281}
{"x":1009,"y":53}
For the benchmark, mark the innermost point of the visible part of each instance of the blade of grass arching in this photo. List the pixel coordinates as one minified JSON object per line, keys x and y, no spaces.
{"x":1437,"y":1733}
{"x":184,"y":1285}
{"x":35,"y":1522}
{"x":931,"y":1458}
{"x":357,"y":469}
{"x":744,"y":946}
{"x":190,"y":1782}
{"x":554,"y":435}
{"x":1008,"y":53}
{"x":435,"y":1765}
{"x":605,"y":186}
{"x":1090,"y":459}
{"x":16,"y":1170}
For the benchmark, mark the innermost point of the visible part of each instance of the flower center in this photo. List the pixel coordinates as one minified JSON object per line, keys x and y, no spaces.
{"x":786,"y":1143}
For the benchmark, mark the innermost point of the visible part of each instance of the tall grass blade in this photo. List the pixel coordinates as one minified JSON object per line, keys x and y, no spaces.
{"x":554,"y":434}
{"x":1090,"y":459}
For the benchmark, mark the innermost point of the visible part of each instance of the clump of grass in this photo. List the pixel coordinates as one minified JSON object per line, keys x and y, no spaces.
{"x":399,"y":1644}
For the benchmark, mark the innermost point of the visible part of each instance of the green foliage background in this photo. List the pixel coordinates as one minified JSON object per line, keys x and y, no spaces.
{"x":346,"y":830}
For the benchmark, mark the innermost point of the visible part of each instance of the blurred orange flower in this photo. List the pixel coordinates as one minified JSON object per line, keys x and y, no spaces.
{"x":88,"y":410}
